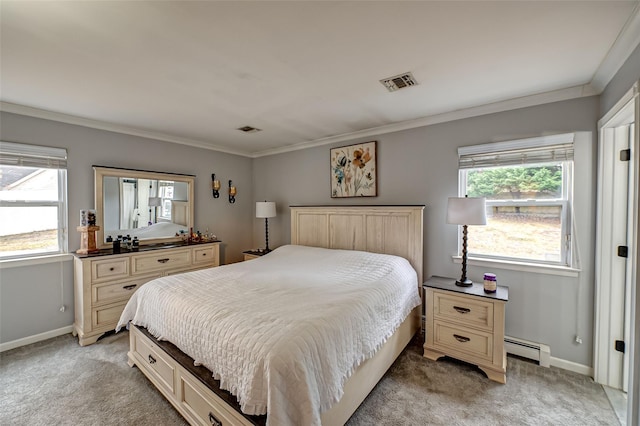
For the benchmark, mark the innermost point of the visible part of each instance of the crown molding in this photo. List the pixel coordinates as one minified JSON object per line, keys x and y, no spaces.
{"x":581,"y":91}
{"x":627,"y":41}
{"x":112,"y":127}
{"x":491,"y":108}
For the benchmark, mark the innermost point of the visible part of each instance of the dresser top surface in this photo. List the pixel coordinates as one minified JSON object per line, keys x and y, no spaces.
{"x":449,"y":284}
{"x":143,"y":248}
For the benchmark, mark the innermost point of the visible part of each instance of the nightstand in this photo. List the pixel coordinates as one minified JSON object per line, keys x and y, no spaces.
{"x":466,"y":323}
{"x":253,"y":254}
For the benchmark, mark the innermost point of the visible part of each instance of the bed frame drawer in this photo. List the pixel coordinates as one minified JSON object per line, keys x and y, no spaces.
{"x":466,"y":311}
{"x":142,"y":264}
{"x":161,"y":370}
{"x":203,"y":407}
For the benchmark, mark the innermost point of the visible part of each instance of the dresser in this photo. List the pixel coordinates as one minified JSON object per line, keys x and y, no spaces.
{"x":105,"y":281}
{"x":466,"y":323}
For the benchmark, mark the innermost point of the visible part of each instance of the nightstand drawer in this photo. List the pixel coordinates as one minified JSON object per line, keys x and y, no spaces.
{"x":109,"y":269}
{"x":476,"y":344}
{"x":464,"y":310}
{"x":161,"y":261}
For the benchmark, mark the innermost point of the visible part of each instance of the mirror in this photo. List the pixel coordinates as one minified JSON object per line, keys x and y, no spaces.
{"x":149,"y":205}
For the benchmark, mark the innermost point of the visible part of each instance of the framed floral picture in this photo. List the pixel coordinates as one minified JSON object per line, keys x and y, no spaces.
{"x":353,"y":171}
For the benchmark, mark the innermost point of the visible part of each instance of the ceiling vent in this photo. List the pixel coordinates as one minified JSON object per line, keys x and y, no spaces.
{"x":399,"y":81}
{"x":249,"y":129}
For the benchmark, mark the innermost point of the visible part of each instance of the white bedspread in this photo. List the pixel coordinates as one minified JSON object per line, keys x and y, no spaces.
{"x":285,"y":331}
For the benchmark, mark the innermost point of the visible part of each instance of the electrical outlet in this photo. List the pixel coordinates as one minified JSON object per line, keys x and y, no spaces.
{"x":579,"y":340}
{"x":63,"y":308}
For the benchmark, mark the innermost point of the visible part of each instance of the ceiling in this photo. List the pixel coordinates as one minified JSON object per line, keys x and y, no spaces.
{"x":304,"y":72}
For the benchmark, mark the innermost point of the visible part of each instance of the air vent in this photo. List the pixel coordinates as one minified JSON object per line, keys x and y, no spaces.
{"x":249,"y":129}
{"x":398,"y":82}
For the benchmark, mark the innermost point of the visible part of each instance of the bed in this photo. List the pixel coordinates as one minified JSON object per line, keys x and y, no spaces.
{"x":301,"y":366}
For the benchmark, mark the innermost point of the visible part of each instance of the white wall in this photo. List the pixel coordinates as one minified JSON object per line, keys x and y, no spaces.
{"x":419,"y":166}
{"x":30,"y":297}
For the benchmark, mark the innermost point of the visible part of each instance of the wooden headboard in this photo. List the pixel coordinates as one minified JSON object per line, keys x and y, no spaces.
{"x":393,"y":230}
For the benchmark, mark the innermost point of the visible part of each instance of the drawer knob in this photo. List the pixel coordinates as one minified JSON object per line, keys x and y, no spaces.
{"x":112,"y":268}
{"x":204,"y":254}
{"x":462,"y":310}
{"x":130,"y":287}
{"x":152,"y":360}
{"x":213,"y":420}
{"x":163,"y":260}
{"x":460,"y":338}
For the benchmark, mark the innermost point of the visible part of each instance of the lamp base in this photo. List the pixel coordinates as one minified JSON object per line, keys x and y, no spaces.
{"x":464,"y":283}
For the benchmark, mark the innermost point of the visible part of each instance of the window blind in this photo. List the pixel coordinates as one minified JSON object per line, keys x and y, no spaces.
{"x":18,"y":154}
{"x":543,"y":149}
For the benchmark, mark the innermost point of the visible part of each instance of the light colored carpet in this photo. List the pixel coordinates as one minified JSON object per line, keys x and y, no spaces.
{"x":57,"y":382}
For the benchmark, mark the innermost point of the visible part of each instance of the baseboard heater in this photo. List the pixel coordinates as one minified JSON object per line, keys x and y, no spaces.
{"x":530,"y":350}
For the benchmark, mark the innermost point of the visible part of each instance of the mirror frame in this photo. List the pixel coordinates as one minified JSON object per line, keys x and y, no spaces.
{"x":100,"y":172}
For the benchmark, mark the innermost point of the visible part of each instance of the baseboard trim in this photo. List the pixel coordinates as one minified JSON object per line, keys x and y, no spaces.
{"x":35,"y":338}
{"x":555,"y":362}
{"x":571,"y":366}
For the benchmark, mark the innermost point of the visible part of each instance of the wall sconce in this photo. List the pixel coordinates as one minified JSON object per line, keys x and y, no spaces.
{"x":215,"y":184}
{"x":232,"y":193}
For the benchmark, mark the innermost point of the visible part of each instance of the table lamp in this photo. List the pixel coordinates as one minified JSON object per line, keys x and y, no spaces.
{"x":266,"y":209}
{"x":466,"y":211}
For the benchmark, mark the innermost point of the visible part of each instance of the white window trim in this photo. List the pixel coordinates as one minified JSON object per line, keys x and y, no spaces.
{"x":18,"y":154}
{"x":510,"y":265}
{"x":34,"y":260}
{"x":566,"y":262}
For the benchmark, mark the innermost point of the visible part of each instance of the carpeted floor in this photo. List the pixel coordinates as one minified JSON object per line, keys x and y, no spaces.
{"x":57,"y":382}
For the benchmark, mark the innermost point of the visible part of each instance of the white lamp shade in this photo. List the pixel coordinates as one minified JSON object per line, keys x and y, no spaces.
{"x":467,"y":211}
{"x":155,"y":201}
{"x":265,"y":209}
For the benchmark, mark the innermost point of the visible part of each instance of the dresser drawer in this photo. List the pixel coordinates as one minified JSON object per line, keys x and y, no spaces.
{"x":108,"y":293}
{"x":109,"y":269}
{"x":107,"y":316}
{"x":463,"y":310}
{"x":202,"y":406}
{"x":161,"y":369}
{"x":476,"y":344}
{"x":204,"y":255}
{"x":161,"y":261}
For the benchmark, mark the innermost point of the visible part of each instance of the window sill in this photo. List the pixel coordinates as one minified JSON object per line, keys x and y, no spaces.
{"x":36,"y":260}
{"x":520,"y":266}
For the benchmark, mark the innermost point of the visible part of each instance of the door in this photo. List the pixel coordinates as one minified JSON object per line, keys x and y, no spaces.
{"x":616,"y":244}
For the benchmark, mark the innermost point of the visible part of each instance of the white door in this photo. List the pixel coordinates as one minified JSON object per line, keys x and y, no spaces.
{"x":616,"y":233}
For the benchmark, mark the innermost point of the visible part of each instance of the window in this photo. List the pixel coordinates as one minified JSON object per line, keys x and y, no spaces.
{"x":528,"y":186}
{"x":165,"y":191}
{"x":33,"y":211}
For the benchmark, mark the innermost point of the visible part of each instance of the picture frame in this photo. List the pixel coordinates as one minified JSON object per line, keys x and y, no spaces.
{"x":354,"y":170}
